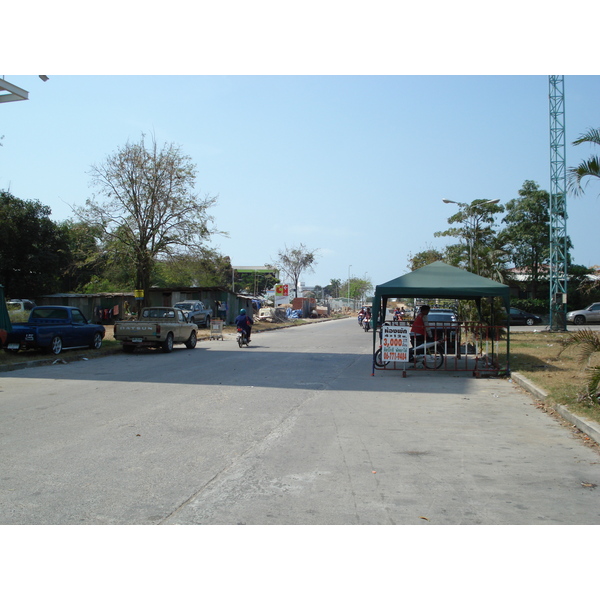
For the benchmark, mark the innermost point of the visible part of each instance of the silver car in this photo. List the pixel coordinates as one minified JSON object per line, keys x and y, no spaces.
{"x":591,"y":314}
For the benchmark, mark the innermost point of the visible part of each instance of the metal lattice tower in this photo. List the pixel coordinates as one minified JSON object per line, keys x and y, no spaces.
{"x":558,"y":206}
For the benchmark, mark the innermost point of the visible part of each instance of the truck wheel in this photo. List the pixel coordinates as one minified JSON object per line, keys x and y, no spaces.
{"x":207,"y":322}
{"x":192,"y":341}
{"x":167,"y":345}
{"x":56,"y":345}
{"x":97,"y":341}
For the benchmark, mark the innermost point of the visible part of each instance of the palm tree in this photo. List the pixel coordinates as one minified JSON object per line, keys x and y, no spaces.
{"x":589,"y":167}
{"x":586,"y":342}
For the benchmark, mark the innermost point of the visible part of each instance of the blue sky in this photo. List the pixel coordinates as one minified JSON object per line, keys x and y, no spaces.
{"x":354,"y":165}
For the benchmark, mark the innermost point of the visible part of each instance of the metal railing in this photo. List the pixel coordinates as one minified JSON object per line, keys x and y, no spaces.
{"x":454,"y":346}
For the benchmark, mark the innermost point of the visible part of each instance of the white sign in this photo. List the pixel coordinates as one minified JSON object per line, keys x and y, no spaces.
{"x":395,"y":342}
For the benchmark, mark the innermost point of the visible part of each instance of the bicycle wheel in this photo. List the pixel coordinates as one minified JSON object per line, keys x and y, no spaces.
{"x":434,"y":357}
{"x":379,"y":362}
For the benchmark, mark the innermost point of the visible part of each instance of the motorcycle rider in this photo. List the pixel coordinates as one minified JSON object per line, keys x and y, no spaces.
{"x":361,"y":315}
{"x":243,"y":321}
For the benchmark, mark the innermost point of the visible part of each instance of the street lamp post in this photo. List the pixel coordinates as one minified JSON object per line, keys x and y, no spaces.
{"x":349,"y":267}
{"x":472,"y":219}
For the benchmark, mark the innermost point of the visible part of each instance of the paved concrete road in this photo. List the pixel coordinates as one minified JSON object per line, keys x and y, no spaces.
{"x":293,"y":430}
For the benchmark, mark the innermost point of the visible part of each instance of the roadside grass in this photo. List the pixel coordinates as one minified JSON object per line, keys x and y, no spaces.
{"x":536,"y":356}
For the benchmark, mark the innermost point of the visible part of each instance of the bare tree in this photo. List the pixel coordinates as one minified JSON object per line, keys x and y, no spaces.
{"x":149,"y":206}
{"x":294,"y":261}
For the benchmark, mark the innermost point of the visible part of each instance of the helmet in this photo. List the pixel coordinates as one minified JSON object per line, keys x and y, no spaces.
{"x":243,"y":311}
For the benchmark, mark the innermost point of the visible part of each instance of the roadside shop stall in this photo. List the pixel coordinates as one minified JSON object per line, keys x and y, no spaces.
{"x":439,"y":280}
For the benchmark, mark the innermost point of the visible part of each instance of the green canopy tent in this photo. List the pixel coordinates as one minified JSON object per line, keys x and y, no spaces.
{"x":438,"y":280}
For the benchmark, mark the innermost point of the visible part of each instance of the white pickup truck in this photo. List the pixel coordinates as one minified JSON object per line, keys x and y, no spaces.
{"x":157,"y":327}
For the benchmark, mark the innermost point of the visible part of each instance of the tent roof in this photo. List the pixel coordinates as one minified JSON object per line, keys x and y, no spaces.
{"x":439,"y":280}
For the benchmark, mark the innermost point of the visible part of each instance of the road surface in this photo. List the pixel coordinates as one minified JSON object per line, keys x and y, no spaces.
{"x":293,"y":430}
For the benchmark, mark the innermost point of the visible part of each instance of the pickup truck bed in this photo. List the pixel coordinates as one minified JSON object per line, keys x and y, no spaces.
{"x":158,"y":327}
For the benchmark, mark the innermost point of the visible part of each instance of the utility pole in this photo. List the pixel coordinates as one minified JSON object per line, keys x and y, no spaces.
{"x":558,"y":206}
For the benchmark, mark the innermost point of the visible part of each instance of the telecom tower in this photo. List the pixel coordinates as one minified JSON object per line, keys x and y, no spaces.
{"x":558,"y":206}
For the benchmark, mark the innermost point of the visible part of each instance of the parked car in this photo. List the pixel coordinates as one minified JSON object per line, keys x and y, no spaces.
{"x":55,"y":328}
{"x":195,"y":312}
{"x":17,"y":304}
{"x":447,"y":316}
{"x":521,"y":317}
{"x":591,"y":314}
{"x":444,"y":324}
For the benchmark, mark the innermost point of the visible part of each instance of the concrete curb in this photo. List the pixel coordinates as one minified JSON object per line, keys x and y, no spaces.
{"x":24,"y":365}
{"x":590,"y":428}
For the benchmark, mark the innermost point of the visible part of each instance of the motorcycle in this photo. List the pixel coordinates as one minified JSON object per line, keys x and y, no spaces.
{"x":242,"y":338}
{"x":367,"y":323}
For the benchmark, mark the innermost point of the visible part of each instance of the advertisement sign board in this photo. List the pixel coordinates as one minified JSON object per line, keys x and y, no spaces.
{"x":395,"y":342}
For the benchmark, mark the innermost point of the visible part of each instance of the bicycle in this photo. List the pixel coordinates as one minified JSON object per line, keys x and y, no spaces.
{"x":429,"y":355}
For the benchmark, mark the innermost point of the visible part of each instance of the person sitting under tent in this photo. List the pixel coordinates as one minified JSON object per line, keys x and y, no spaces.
{"x":420,"y":327}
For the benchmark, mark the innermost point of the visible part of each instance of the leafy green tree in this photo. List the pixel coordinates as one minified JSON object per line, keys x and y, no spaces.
{"x":583,"y":290}
{"x":34,"y":251}
{"x":88,"y":259}
{"x":586,"y":168}
{"x":333,"y":289}
{"x":256,"y":283}
{"x":294,"y":261}
{"x":495,"y":259}
{"x":318,"y":292}
{"x":115,"y":270}
{"x":356,"y":288}
{"x":205,"y":268}
{"x":424,"y":258}
{"x":475,"y":230}
{"x":527,"y":231}
{"x":150,"y":207}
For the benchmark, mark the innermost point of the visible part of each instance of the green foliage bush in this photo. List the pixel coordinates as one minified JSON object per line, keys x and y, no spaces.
{"x":535,"y":306}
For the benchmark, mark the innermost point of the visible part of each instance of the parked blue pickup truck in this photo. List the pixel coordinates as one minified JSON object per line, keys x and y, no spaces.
{"x":55,"y":328}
